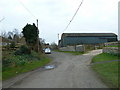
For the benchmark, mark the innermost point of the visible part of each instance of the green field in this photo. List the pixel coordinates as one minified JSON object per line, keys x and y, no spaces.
{"x":108,"y":72}
{"x":113,"y":46}
{"x":71,"y":52}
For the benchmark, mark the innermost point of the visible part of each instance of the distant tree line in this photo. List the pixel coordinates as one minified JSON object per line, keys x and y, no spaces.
{"x":31,"y":35}
{"x":13,"y":35}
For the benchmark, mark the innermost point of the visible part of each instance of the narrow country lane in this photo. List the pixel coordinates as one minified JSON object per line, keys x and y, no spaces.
{"x":71,"y":72}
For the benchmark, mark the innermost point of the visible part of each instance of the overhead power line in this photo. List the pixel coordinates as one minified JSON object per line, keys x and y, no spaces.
{"x":27,"y":9}
{"x":73,"y":16}
{"x":2,"y":19}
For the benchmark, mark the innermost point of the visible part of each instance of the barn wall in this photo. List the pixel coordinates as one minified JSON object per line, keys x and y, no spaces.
{"x":85,"y":40}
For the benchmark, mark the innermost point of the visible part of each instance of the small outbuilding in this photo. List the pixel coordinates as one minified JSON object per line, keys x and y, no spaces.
{"x":69,"y":39}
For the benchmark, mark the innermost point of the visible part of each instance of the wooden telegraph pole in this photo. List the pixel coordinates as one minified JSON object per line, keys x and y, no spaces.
{"x":38,"y":37}
{"x":58,"y":38}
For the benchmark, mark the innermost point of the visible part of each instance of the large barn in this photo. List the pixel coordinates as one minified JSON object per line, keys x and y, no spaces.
{"x":68,"y":39}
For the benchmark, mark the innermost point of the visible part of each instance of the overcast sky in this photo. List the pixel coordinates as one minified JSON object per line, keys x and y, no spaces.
{"x":53,"y":15}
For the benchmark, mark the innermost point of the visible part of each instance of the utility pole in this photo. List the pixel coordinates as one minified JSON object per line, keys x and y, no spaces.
{"x":38,"y":37}
{"x":58,"y":38}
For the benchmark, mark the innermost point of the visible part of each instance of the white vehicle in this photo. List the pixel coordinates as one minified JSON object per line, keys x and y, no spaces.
{"x":47,"y":51}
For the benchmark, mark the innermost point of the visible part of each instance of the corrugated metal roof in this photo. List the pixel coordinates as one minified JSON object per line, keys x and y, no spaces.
{"x":88,"y":34}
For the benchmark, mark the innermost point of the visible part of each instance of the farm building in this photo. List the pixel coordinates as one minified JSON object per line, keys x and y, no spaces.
{"x":68,"y":39}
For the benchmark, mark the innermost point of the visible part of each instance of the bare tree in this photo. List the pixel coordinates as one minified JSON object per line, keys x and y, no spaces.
{"x":42,"y":41}
{"x":54,"y":45}
{"x":10,"y":34}
{"x":15,"y":31}
{"x":4,"y":34}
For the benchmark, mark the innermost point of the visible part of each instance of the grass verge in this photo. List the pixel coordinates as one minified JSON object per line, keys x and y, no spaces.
{"x":113,"y":46}
{"x":104,"y":57}
{"x":71,"y":52}
{"x":108,"y":72}
{"x":32,"y":62}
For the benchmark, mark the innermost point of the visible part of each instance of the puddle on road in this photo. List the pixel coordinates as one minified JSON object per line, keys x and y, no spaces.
{"x":48,"y":67}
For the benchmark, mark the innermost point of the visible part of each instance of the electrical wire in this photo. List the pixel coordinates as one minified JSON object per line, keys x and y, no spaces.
{"x":2,"y":19}
{"x":73,"y":16}
{"x":27,"y":9}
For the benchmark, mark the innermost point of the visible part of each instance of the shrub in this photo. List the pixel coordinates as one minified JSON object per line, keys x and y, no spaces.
{"x":6,"y":62}
{"x":23,"y":50}
{"x":20,"y":63}
{"x":35,"y":56}
{"x":12,"y":45}
{"x":18,"y":52}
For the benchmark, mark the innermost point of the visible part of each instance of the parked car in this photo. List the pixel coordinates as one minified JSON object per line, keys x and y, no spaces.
{"x":47,"y":51}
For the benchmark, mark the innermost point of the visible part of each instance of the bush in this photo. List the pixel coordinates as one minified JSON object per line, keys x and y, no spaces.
{"x":20,"y":63}
{"x":6,"y":62}
{"x":12,"y":45}
{"x":35,"y":56}
{"x":23,"y":50}
{"x":18,"y":52}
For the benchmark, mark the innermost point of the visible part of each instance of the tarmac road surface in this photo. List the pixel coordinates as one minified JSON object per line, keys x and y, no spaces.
{"x":72,"y":71}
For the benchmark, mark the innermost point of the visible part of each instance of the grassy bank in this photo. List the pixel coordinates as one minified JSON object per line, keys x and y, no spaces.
{"x":108,"y":72}
{"x":71,"y":52}
{"x":113,"y":46}
{"x":22,"y":63}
